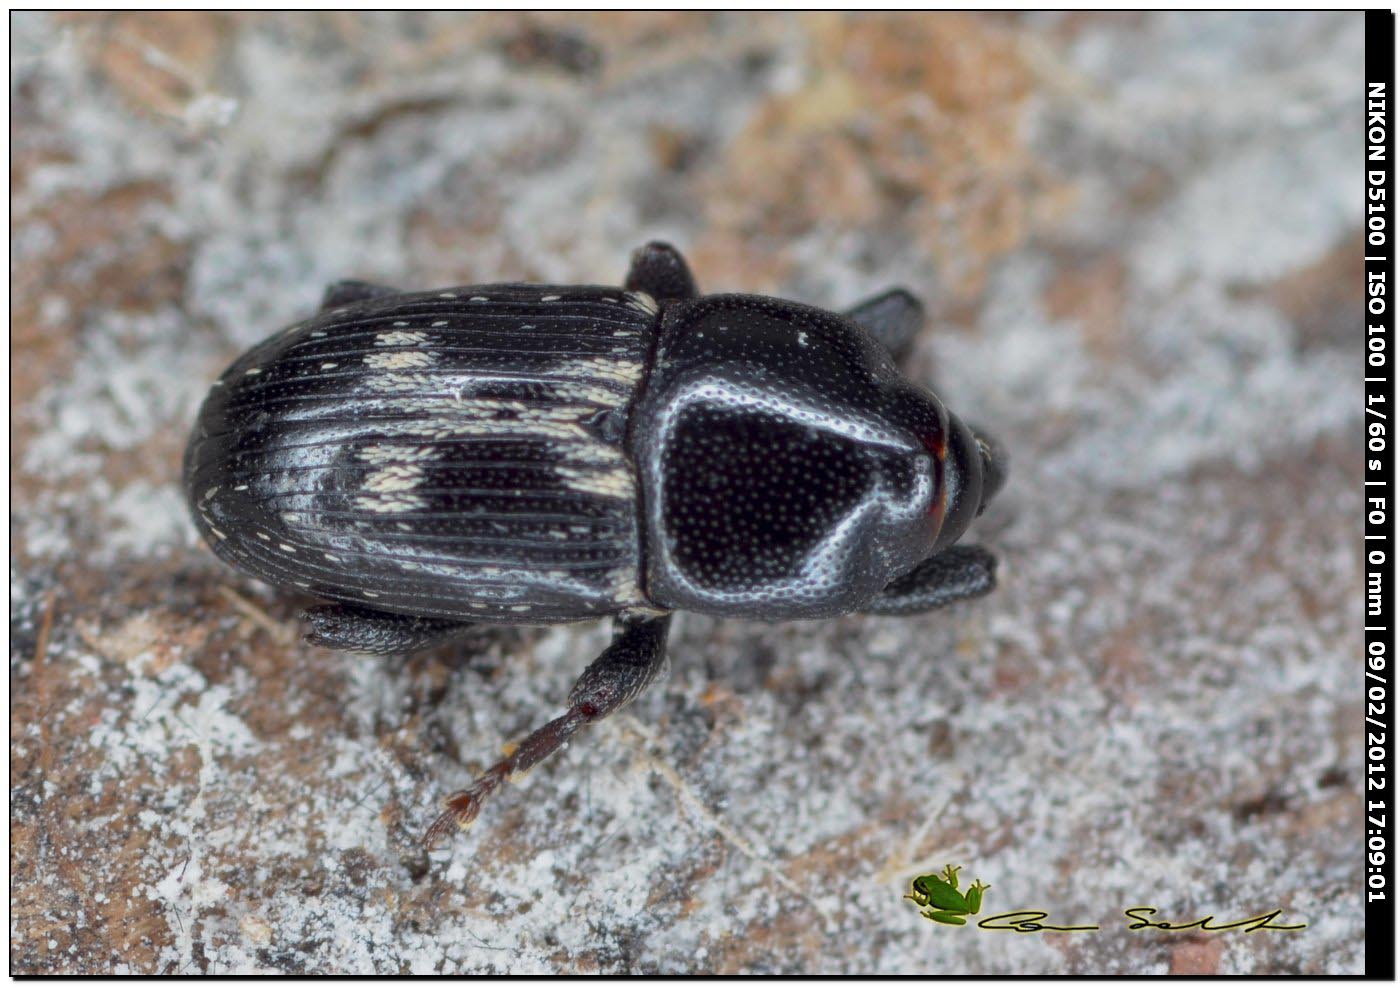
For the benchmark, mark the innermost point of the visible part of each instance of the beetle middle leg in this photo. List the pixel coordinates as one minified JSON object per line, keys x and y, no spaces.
{"x":370,"y":631}
{"x":660,"y":270}
{"x":893,"y":317}
{"x":346,"y":292}
{"x":621,"y":673}
{"x":960,"y":572}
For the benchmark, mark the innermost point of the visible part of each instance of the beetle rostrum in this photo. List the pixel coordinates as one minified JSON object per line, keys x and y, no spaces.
{"x":533,"y":454}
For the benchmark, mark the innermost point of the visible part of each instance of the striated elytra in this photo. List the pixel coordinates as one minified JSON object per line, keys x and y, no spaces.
{"x":530,"y":454}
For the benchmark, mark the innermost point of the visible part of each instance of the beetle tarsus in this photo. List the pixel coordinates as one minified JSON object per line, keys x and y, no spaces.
{"x":660,"y":270}
{"x":347,"y":292}
{"x":369,"y":631}
{"x":463,"y":806}
{"x":894,"y":317}
{"x":954,"y":574}
{"x":621,"y":673}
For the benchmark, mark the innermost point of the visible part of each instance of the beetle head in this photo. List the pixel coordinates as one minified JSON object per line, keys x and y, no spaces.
{"x":965,"y":469}
{"x":974,"y":470}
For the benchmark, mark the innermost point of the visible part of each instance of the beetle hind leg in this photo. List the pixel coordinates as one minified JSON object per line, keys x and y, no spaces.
{"x":893,"y":317}
{"x":370,"y":631}
{"x":348,"y":292}
{"x":660,"y":270}
{"x":621,"y":673}
{"x":961,"y":572}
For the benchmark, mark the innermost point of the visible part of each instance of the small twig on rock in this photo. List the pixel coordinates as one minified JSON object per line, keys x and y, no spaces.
{"x":38,"y":667}
{"x":905,"y":865}
{"x":731,"y":835}
{"x":280,"y":632}
{"x":41,"y":643}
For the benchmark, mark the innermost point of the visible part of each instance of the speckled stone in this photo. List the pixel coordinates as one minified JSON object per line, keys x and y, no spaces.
{"x":1138,"y":235}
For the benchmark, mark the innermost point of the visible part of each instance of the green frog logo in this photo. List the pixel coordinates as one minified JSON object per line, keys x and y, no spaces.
{"x":940,"y":899}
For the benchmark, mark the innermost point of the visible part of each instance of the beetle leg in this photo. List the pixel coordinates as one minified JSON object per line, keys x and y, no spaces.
{"x":620,"y":674}
{"x":660,"y":270}
{"x":961,"y":572}
{"x":346,"y":292}
{"x":370,"y":631}
{"x":893,"y":317}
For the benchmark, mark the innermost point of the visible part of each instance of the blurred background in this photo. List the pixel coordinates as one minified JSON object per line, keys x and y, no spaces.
{"x":1139,"y":239}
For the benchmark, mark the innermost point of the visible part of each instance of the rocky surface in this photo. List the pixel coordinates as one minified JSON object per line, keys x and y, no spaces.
{"x":1139,"y":238}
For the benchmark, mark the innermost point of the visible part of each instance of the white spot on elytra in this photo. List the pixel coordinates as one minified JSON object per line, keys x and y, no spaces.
{"x":398,"y":478}
{"x":263,"y":536}
{"x":624,"y":586}
{"x":399,"y":382}
{"x":400,"y":360}
{"x":397,"y":338}
{"x":550,"y":297}
{"x":329,"y":366}
{"x":617,"y":370}
{"x":253,"y":372}
{"x":287,"y":548}
{"x":389,"y":489}
{"x":439,"y":323}
{"x":380,"y":454}
{"x":615,"y":482}
{"x":479,"y":297}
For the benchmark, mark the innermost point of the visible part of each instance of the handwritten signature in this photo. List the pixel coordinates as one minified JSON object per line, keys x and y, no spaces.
{"x":1139,"y":918}
{"x":941,"y":898}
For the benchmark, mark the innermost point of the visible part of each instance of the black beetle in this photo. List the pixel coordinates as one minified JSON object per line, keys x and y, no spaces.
{"x":530,"y":454}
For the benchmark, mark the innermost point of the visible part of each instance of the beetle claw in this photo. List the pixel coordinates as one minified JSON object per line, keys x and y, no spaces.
{"x":462,"y":809}
{"x":463,"y":806}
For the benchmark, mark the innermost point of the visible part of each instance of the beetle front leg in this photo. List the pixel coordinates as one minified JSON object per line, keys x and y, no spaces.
{"x":370,"y":631}
{"x":960,"y":572}
{"x":621,"y":673}
{"x":660,"y":270}
{"x":347,"y":292}
{"x":893,"y":317}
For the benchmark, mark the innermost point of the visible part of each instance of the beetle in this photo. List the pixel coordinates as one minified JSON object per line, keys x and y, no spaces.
{"x":536,"y":454}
